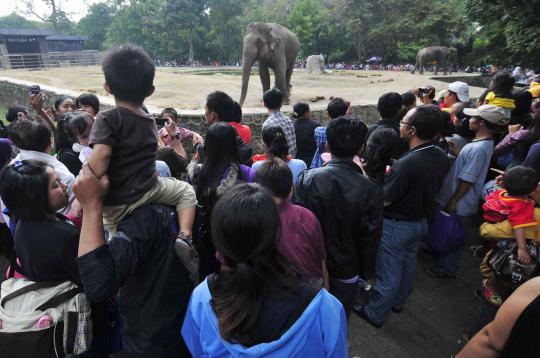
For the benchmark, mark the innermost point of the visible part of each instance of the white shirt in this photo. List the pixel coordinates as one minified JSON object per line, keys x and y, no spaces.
{"x":63,"y":172}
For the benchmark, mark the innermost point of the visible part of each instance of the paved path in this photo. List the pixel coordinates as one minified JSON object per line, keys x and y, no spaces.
{"x":430,"y":322}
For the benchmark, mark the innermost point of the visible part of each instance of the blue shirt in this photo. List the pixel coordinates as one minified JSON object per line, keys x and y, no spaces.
{"x":471,"y":166}
{"x":295,"y":165}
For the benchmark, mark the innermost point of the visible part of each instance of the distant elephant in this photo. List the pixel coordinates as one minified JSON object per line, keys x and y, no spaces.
{"x":274,"y":47}
{"x":445,"y":57}
{"x":315,"y":64}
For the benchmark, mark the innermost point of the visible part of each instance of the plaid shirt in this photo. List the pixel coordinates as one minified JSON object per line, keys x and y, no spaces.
{"x":320,"y":139}
{"x":281,"y":120}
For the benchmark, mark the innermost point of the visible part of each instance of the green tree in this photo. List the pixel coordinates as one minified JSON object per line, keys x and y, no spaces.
{"x":138,"y":23}
{"x":14,"y":21}
{"x":53,"y":15}
{"x":95,"y":24}
{"x":226,"y":32}
{"x":508,"y":30}
{"x":184,"y":16}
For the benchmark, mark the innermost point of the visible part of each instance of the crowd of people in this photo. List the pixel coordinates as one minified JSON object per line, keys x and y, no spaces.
{"x":228,"y":252}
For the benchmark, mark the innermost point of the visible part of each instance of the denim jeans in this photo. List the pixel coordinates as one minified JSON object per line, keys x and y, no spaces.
{"x":396,"y":267}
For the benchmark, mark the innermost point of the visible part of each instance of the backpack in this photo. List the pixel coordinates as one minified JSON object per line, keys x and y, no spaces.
{"x":43,"y":319}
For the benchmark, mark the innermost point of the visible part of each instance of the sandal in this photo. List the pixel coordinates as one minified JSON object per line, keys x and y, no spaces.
{"x":434,"y":273}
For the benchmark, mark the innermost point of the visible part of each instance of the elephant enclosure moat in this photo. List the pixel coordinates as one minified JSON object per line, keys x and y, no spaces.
{"x":185,"y":88}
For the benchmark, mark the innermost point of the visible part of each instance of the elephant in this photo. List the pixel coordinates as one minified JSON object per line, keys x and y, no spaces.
{"x":315,"y":64}
{"x":274,"y":47}
{"x":445,"y":57}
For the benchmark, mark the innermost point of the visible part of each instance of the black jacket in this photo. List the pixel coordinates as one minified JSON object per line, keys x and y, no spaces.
{"x":349,"y":207}
{"x":141,"y":270}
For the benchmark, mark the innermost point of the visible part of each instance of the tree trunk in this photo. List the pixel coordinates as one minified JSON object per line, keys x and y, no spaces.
{"x":191,"y":58}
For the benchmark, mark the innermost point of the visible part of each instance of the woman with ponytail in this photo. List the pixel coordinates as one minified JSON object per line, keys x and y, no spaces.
{"x":257,"y":304}
{"x":381,"y":151}
{"x":275,"y":145}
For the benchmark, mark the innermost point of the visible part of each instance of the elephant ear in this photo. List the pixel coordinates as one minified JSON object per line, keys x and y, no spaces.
{"x":273,"y":40}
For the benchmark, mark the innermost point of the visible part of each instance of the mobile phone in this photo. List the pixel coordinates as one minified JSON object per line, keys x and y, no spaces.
{"x":34,"y":89}
{"x":161,"y":121}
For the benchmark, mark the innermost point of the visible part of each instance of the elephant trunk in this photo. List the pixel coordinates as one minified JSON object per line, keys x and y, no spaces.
{"x":247,"y":62}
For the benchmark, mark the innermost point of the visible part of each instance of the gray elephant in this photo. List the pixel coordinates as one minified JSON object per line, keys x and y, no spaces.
{"x":445,"y":57}
{"x":315,"y":64}
{"x":274,"y":47}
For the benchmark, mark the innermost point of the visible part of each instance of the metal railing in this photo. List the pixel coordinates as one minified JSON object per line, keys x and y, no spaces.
{"x":50,"y":60}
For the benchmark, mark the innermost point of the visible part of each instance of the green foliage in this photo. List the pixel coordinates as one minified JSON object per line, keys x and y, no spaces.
{"x":95,"y":24}
{"x":483,"y":31}
{"x":509,"y":30}
{"x":14,"y":21}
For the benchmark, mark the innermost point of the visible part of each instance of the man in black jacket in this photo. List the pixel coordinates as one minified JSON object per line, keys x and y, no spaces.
{"x":139,"y":268}
{"x":349,"y":207}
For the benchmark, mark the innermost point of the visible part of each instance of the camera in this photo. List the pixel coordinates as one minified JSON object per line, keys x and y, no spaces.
{"x":161,"y":121}
{"x":35,"y":89}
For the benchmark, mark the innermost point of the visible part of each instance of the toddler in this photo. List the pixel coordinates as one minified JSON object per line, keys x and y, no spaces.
{"x":78,"y":126}
{"x":125,"y":143}
{"x":513,"y":204}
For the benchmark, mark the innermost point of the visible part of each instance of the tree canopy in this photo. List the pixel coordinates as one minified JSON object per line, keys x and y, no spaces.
{"x":495,"y":31}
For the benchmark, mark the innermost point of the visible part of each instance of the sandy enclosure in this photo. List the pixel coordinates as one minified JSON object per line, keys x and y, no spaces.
{"x":186,"y":88}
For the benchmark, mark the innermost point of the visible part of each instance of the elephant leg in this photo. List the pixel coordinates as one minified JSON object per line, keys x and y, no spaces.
{"x":421,"y":68}
{"x":444,"y":65}
{"x":288,"y":76}
{"x":436,"y":69}
{"x":265,"y":77}
{"x":281,"y":82}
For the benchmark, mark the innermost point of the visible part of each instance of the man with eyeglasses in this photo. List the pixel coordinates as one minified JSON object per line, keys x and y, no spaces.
{"x":409,"y":191}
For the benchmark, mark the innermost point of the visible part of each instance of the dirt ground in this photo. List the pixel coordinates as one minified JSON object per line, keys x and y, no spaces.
{"x":186,"y":88}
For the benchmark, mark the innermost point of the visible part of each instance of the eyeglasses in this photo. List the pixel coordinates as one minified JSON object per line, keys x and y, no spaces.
{"x":403,"y":122}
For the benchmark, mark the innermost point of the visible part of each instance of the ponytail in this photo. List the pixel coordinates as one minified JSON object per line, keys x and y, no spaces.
{"x":245,"y":229}
{"x":276,"y":142}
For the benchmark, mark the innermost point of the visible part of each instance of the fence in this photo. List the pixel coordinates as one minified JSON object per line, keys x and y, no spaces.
{"x":51,"y":59}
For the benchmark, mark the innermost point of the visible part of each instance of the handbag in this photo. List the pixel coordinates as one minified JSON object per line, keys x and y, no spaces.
{"x":445,"y":232}
{"x":511,"y":273}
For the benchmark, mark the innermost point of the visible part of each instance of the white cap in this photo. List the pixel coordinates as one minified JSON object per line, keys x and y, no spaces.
{"x":461,"y":89}
{"x":489,"y":112}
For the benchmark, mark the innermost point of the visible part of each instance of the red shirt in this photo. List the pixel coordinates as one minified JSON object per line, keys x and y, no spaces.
{"x":243,"y":131}
{"x":302,"y":240}
{"x":500,"y":206}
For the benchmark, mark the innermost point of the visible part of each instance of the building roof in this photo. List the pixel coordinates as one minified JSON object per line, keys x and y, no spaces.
{"x":25,"y":32}
{"x":67,"y":38}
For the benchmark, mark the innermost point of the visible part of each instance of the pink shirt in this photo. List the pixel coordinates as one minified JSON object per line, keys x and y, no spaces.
{"x":302,"y":240}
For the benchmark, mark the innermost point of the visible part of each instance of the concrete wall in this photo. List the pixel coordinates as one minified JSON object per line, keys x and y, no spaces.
{"x":368,"y":114}
{"x":16,"y":93}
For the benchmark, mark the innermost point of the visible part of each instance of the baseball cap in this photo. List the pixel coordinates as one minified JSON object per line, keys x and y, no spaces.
{"x":489,"y":112}
{"x":535,"y":89}
{"x":461,"y":89}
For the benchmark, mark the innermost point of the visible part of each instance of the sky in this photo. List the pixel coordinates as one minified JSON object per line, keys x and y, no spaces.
{"x":75,"y":9}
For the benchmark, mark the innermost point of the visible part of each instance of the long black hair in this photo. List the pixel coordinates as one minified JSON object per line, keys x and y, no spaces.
{"x":245,"y":230}
{"x":221,"y":153}
{"x":382,"y":147}
{"x":274,"y":138}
